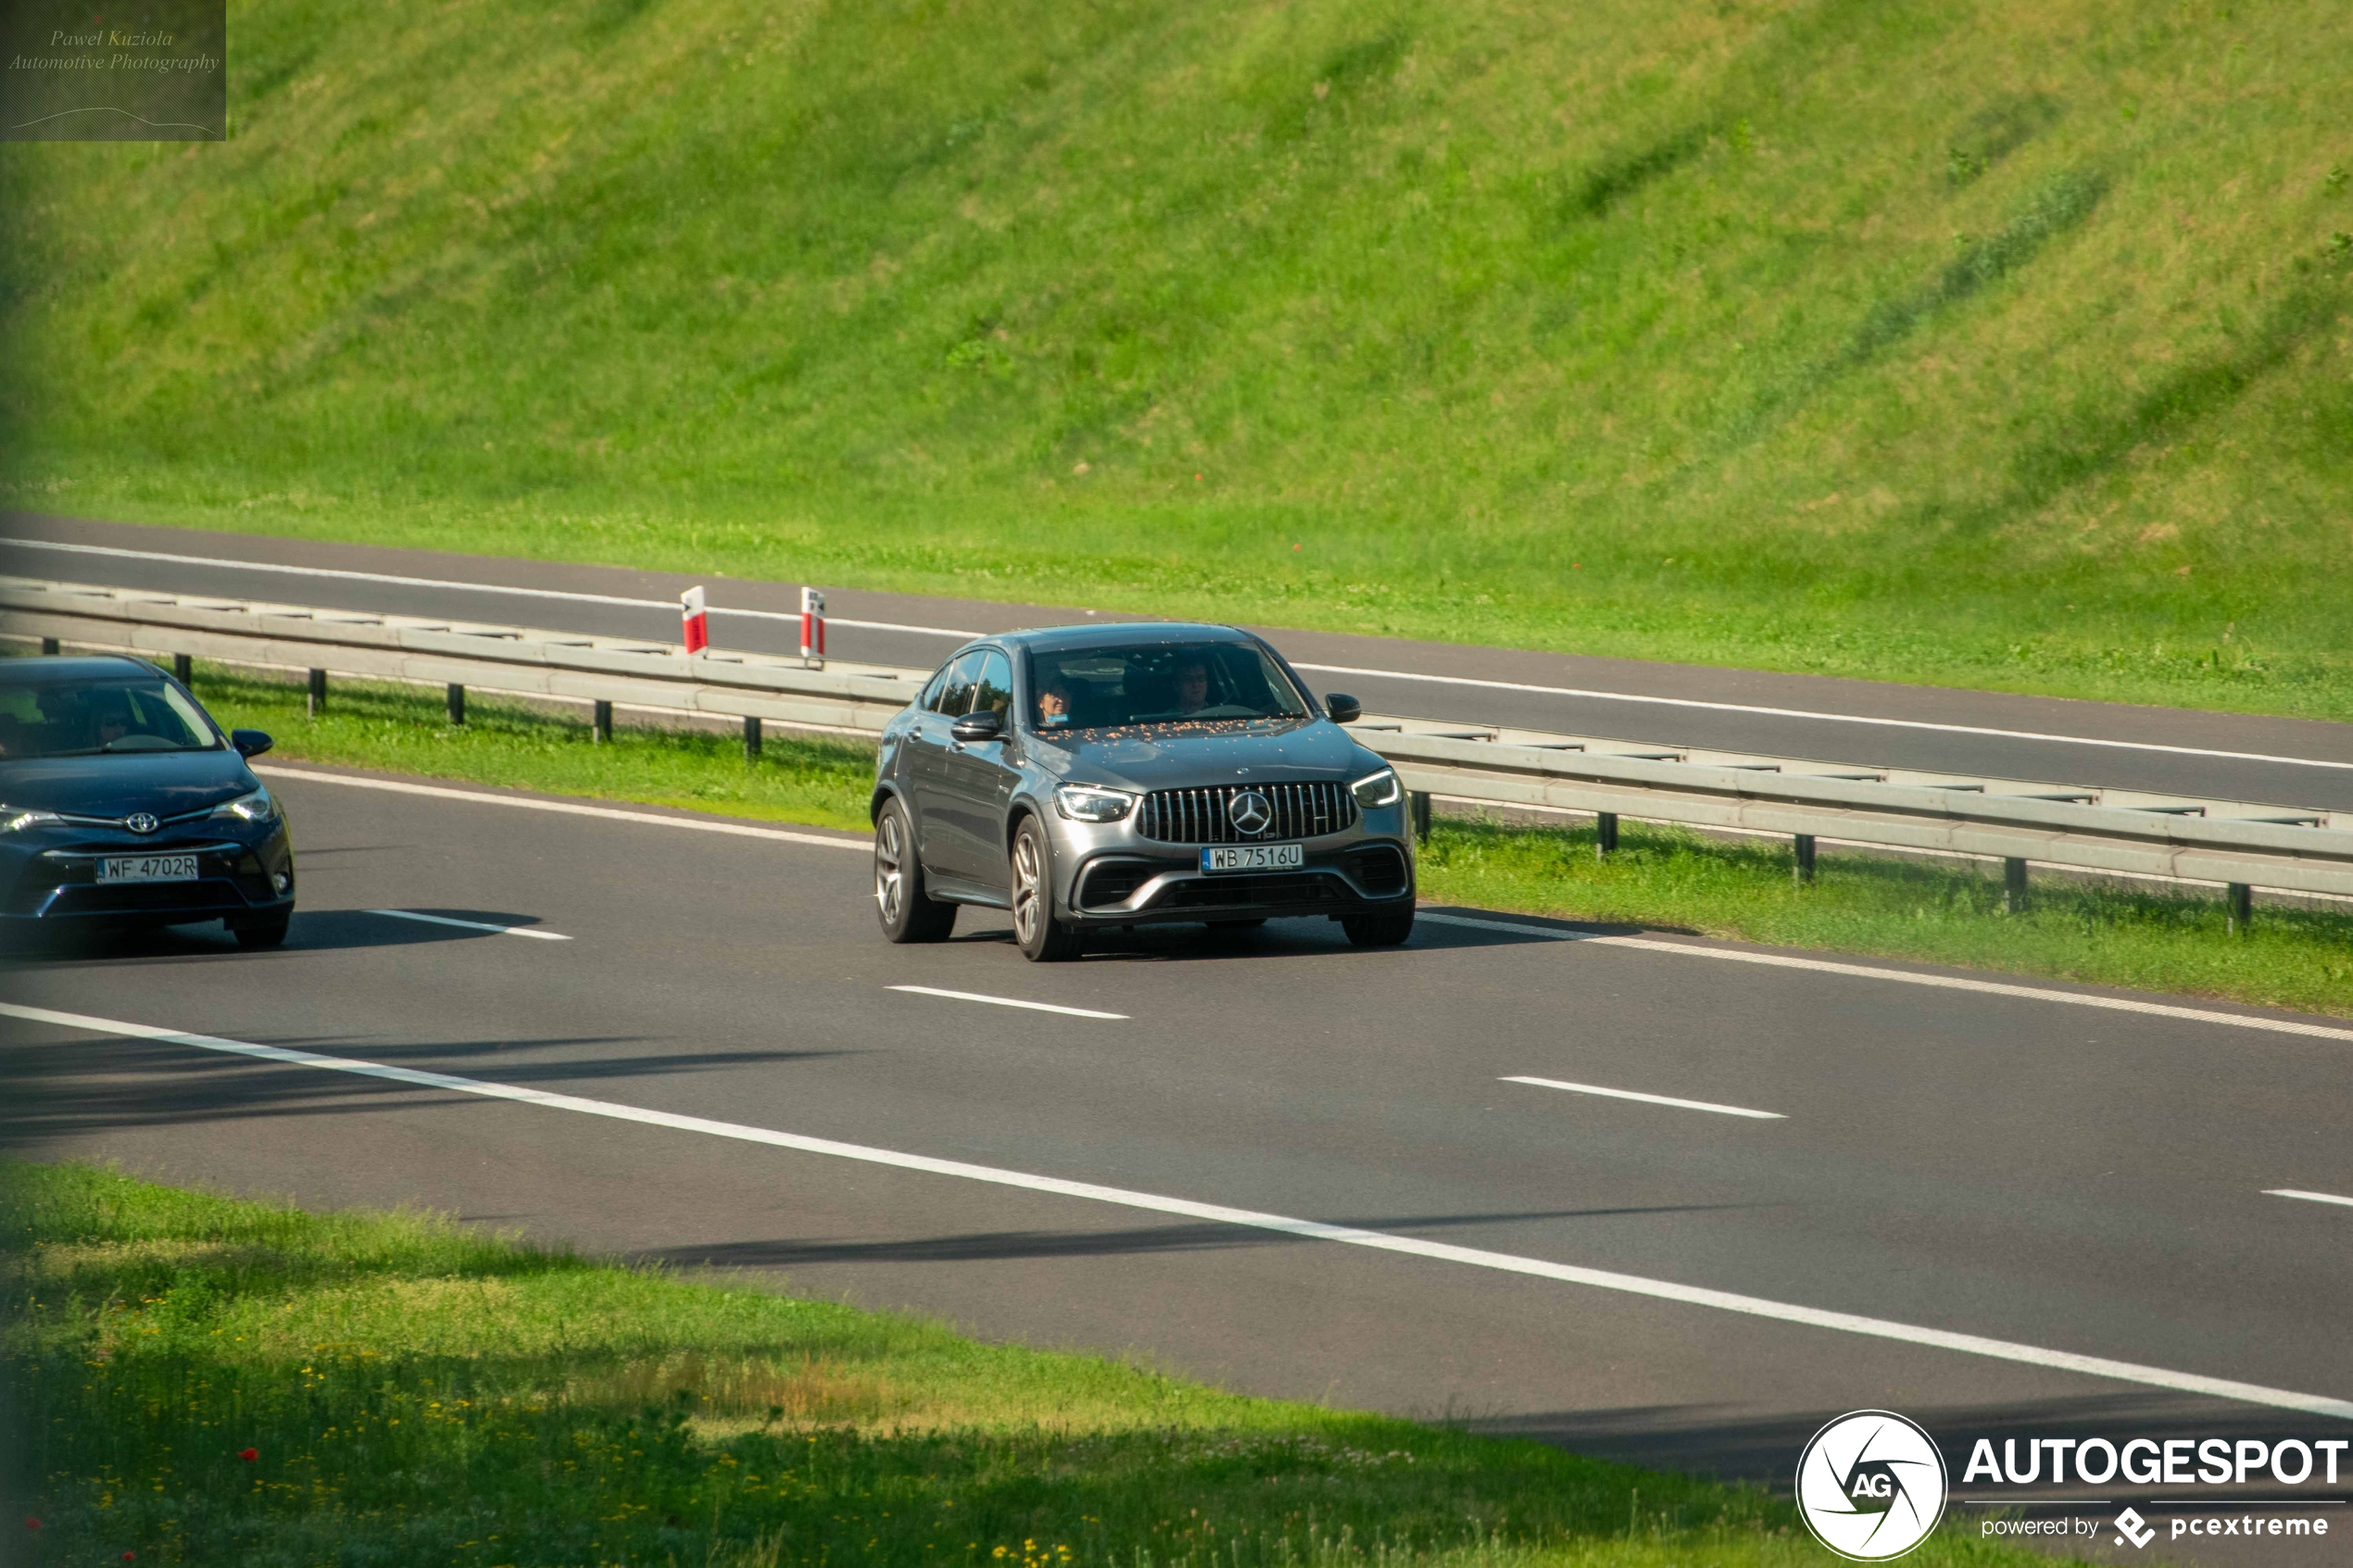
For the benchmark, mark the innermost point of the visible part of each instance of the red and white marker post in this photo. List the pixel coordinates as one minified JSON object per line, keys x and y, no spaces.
{"x":690,"y":609}
{"x":812,"y":629}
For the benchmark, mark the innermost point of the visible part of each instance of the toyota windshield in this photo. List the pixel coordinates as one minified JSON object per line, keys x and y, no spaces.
{"x":92,"y":718}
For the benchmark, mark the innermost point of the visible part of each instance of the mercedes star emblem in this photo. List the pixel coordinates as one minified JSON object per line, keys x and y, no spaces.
{"x":1249,"y":812}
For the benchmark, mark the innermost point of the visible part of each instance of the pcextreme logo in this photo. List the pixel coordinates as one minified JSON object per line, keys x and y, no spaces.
{"x":1870,"y":1486}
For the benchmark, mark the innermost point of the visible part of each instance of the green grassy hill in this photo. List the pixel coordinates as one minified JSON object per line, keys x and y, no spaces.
{"x":1992,"y":344}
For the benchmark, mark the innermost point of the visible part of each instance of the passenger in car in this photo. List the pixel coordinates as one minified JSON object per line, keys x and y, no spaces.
{"x":1054,"y":705}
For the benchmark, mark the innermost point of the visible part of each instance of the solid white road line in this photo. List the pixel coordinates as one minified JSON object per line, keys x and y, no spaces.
{"x":1830,"y":718}
{"x":565,"y":808}
{"x":1868,"y":971}
{"x":1322,"y":669}
{"x":1310,"y":1230}
{"x":1649,"y":1099}
{"x":462,"y":587}
{"x":1003,"y":1001}
{"x":474,"y":924}
{"x":2307,"y":1196}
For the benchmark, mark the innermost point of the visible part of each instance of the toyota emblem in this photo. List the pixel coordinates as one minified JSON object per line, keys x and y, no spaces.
{"x":141,"y":822}
{"x":1249,"y":812}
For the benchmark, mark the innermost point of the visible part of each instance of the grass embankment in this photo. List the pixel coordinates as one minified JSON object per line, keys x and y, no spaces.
{"x":1661,"y":876}
{"x":1997,"y":345}
{"x":209,"y":1381}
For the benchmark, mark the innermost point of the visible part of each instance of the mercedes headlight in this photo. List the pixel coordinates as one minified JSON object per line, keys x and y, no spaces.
{"x":1085,"y":803}
{"x":254,"y":808}
{"x":1378,"y":789}
{"x":15,"y":819}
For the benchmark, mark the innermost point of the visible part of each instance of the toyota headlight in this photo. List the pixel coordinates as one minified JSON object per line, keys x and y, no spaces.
{"x":1378,"y":789}
{"x":1085,"y":803}
{"x":16,"y":819}
{"x":254,"y":808}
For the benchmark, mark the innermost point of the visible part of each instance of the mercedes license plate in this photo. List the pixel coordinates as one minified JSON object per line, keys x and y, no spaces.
{"x":147,"y":868}
{"x":1253,"y":857}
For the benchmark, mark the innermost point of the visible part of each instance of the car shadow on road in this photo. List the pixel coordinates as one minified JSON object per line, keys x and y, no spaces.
{"x":313,"y":931}
{"x":55,"y":1091}
{"x":1438,"y":928}
{"x":1133,"y":1240}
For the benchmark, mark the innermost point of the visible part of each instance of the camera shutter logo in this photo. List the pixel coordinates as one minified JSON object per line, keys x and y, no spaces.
{"x":1249,"y":812}
{"x":1870,"y":1486}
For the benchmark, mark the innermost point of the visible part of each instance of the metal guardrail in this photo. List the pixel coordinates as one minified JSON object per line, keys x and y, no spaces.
{"x":2240,"y":843}
{"x":519,"y":659}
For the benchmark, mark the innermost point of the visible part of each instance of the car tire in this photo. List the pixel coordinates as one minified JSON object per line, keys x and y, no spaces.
{"x":1383,"y":928}
{"x":1043,"y":938}
{"x":270,"y":930}
{"x":908,"y":914}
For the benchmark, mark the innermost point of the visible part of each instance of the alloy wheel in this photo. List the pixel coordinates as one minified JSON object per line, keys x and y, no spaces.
{"x":890,"y":877}
{"x":1030,"y":890}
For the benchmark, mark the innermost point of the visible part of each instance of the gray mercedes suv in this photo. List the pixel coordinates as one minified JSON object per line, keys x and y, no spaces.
{"x":1094,"y":777}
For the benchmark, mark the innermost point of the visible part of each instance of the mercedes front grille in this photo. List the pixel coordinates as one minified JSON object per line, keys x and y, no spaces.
{"x":1200,"y":816}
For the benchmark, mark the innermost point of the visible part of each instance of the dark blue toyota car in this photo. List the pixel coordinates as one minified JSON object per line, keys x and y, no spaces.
{"x":122,"y":802}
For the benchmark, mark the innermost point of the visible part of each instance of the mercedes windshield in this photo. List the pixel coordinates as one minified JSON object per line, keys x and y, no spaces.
{"x":1159,"y":683}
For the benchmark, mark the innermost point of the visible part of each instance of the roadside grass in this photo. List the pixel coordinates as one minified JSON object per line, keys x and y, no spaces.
{"x":202,"y":1380}
{"x":1665,"y":877}
{"x":1997,"y":345}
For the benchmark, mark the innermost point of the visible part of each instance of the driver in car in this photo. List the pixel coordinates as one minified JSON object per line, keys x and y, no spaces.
{"x":1192,"y":687}
{"x":114,"y":722}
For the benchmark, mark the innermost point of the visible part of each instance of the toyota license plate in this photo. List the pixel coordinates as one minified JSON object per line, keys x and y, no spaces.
{"x":147,"y":868}
{"x":1253,"y":857}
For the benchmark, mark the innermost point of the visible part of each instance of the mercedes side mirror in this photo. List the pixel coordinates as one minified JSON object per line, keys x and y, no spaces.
{"x":250,"y":743}
{"x":1343,"y":708}
{"x":988,"y":725}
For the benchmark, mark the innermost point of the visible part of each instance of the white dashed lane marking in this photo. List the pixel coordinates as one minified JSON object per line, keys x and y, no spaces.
{"x":1651,"y":1099}
{"x":533,"y":932}
{"x":1005,"y":1001}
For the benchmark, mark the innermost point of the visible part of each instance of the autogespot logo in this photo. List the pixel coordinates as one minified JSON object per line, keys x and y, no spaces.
{"x":1870,"y":1486}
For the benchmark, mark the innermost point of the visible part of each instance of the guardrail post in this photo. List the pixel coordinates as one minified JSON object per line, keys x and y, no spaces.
{"x":49,"y":646}
{"x":1417,"y":805}
{"x":183,"y":669}
{"x":1804,"y":866}
{"x":1604,"y":834}
{"x":318,"y":693}
{"x":2242,"y":901}
{"x":600,"y":721}
{"x":751,"y":738}
{"x":456,"y":703}
{"x":2014,"y":884}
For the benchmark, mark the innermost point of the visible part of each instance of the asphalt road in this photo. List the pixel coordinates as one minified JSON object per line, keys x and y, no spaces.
{"x":2075,"y":1178}
{"x":2285,"y":761}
